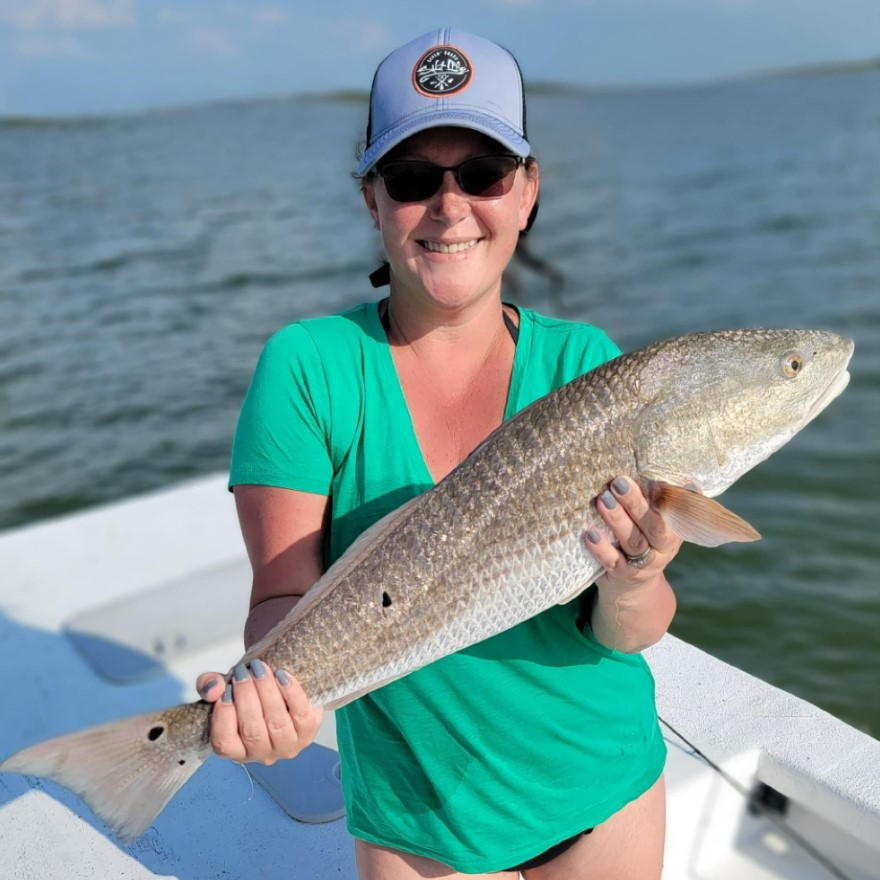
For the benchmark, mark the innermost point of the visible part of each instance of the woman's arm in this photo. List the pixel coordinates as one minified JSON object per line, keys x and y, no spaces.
{"x":264,"y":715}
{"x":283,"y":533}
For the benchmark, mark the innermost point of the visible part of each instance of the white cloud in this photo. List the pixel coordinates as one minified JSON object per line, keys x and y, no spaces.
{"x":213,"y":41}
{"x":270,"y":15}
{"x":168,"y":15}
{"x":208,"y":21}
{"x":67,"y":14}
{"x":222,"y":30}
{"x":362,"y":36}
{"x":62,"y":45}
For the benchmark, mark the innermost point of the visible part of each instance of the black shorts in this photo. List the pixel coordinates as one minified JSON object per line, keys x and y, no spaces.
{"x":550,"y":854}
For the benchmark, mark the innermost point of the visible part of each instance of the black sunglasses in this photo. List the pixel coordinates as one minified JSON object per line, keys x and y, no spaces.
{"x":414,"y":180}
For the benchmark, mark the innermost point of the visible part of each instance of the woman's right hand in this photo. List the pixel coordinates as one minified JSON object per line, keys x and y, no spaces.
{"x":262,"y":715}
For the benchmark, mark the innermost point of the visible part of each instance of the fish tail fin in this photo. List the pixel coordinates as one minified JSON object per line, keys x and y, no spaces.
{"x":696,"y":518}
{"x":127,"y":770}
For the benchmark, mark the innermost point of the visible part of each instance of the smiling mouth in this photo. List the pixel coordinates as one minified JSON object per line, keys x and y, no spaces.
{"x":438,"y":247}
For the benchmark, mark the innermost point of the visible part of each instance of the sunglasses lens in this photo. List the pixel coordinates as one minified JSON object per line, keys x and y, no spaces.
{"x":411,"y":181}
{"x":487,"y":176}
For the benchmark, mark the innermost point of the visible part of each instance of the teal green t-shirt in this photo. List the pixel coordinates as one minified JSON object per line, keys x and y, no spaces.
{"x":488,"y":757}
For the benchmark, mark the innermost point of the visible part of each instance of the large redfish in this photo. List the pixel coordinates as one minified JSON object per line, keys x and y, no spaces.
{"x":497,"y":541}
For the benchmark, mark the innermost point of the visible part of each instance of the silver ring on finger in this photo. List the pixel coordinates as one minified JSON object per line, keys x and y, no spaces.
{"x":641,"y":560}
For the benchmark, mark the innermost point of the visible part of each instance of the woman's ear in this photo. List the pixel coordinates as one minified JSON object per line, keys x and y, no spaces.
{"x":369,"y":192}
{"x":532,"y":176}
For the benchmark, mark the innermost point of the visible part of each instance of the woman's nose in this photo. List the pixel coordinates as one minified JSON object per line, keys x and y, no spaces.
{"x":450,"y":202}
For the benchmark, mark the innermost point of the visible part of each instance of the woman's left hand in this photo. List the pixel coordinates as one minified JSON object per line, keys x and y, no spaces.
{"x":642,"y":545}
{"x":635,"y":603}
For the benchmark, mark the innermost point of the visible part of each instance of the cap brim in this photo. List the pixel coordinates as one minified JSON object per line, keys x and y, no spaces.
{"x":455,"y":118}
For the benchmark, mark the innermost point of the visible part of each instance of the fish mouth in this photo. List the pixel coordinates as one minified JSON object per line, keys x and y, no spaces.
{"x":834,"y":389}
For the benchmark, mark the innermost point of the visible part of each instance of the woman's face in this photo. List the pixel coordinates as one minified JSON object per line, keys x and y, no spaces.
{"x":450,"y":248}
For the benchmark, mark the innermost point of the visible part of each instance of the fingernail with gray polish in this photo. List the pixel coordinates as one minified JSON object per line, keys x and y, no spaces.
{"x":206,"y":687}
{"x":621,"y":485}
{"x":281,"y":675}
{"x":692,"y":487}
{"x":608,"y":500}
{"x":240,"y":672}
{"x":593,"y":536}
{"x":258,"y":669}
{"x":227,"y":694}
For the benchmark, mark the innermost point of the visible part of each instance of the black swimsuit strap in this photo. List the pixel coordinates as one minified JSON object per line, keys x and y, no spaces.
{"x":512,"y":329}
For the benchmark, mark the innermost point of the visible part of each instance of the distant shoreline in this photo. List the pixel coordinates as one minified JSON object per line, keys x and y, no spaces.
{"x":357,"y":96}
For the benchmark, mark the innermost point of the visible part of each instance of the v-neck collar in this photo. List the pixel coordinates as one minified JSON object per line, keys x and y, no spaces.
{"x":394,"y":388}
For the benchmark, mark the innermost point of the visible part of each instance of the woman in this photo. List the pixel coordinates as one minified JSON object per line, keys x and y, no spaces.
{"x":538,"y":750}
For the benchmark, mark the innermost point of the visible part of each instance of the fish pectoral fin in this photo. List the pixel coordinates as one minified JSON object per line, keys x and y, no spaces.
{"x":698,"y":519}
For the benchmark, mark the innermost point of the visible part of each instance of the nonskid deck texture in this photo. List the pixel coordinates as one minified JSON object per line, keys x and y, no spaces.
{"x":129,"y":559}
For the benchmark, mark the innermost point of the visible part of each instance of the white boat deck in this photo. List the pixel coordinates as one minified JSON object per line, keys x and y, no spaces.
{"x":166,"y":575}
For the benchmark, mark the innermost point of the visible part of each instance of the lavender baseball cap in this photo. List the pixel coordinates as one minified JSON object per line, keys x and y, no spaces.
{"x":446,"y":77}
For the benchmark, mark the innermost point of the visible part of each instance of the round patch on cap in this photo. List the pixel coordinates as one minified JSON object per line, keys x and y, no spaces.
{"x":441,"y":71}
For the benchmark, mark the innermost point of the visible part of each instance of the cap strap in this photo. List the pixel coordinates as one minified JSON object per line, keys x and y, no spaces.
{"x":381,"y":276}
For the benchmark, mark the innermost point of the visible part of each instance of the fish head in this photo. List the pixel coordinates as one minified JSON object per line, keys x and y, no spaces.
{"x":719,"y":403}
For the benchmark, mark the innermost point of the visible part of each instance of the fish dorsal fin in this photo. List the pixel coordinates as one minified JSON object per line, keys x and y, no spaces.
{"x":371,"y":535}
{"x":696,"y":518}
{"x":334,"y":575}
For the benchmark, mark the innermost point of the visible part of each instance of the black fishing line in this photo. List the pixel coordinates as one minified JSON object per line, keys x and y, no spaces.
{"x":756,"y":806}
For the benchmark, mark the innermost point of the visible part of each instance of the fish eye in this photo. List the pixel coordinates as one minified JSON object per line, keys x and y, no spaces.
{"x":792,"y":363}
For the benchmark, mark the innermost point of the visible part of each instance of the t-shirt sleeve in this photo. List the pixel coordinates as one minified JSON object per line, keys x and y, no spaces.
{"x":583,"y":348}
{"x":599,"y":350}
{"x":282,"y":438}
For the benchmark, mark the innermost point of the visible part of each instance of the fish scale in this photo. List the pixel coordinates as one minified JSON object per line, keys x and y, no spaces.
{"x":496,"y":542}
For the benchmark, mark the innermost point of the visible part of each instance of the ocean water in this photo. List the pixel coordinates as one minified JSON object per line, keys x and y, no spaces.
{"x":144,"y":260}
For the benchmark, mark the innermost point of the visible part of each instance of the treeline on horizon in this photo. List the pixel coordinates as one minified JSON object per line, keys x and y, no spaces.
{"x":358,"y":96}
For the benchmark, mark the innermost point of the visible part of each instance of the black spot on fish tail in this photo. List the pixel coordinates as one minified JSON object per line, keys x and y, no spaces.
{"x":126,"y":781}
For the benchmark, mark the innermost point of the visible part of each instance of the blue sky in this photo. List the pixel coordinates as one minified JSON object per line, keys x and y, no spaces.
{"x":95,"y":56}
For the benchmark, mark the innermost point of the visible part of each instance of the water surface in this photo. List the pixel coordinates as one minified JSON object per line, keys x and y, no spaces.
{"x":144,"y":261}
